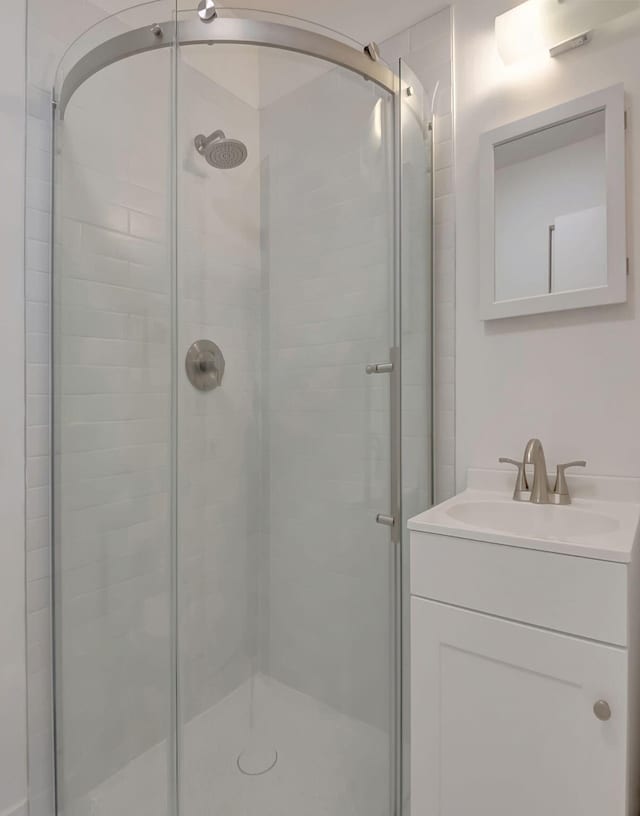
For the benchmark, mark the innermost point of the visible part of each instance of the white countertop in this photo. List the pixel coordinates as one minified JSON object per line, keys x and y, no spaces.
{"x":601,"y":522}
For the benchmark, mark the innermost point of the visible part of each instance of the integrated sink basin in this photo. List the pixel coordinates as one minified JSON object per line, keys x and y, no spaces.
{"x":601,"y":522}
{"x":541,"y":521}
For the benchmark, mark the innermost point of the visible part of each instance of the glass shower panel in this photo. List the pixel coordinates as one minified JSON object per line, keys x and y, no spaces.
{"x":416,"y":282}
{"x":285,"y":262}
{"x":112,"y":439}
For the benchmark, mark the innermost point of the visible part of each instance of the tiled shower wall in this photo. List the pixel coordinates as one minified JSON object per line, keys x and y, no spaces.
{"x":427,"y":48}
{"x":328,"y":249}
{"x":37,"y":284}
{"x":219,"y":432}
{"x":112,"y":347}
{"x":13,"y":738}
{"x":49,"y":33}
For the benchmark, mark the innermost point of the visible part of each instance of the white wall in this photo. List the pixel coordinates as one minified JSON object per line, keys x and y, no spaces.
{"x":13,"y":779}
{"x":570,"y":378}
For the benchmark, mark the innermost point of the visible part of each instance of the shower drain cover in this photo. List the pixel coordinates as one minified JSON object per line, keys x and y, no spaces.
{"x":257,"y":760}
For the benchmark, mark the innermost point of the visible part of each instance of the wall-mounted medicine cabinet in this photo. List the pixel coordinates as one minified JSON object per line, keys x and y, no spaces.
{"x":553,"y":214}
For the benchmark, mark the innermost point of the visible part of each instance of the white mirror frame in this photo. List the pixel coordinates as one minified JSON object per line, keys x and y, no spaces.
{"x":611,"y":101}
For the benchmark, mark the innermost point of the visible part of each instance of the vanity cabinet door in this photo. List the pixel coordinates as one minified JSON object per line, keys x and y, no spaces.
{"x":503,"y":719}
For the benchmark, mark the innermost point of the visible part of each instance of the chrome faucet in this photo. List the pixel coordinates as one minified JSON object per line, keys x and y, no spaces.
{"x":540,"y":492}
{"x":534,"y":455}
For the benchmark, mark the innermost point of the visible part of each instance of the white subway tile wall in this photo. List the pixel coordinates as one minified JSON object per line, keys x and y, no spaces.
{"x":221,"y":531}
{"x":427,"y":48}
{"x":112,"y":346}
{"x":13,"y":691}
{"x":328,"y":254}
{"x":37,"y":291}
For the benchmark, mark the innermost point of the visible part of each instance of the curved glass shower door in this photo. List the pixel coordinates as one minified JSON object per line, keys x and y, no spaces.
{"x":286,"y":597}
{"x":228,"y":291}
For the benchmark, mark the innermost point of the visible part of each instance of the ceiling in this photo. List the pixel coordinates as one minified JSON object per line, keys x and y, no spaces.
{"x":364,"y":20}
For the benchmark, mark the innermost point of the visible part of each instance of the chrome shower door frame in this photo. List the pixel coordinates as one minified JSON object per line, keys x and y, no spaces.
{"x":234,"y":31}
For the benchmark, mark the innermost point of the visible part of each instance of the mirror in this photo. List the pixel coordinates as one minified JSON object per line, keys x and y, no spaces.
{"x":553,"y":209}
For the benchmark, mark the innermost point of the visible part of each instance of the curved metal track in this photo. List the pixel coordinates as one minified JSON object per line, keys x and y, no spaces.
{"x":223,"y":30}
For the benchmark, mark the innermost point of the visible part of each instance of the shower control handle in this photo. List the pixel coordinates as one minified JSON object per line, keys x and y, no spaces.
{"x":205,"y":365}
{"x":379,"y":368}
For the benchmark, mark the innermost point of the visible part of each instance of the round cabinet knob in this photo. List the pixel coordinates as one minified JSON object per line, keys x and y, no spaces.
{"x":602,"y":710}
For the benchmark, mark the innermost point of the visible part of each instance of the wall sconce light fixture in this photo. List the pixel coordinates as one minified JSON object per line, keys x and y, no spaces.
{"x":553,"y":27}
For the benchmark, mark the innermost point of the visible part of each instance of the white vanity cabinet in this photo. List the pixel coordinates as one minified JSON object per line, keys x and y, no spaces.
{"x":503,"y":718}
{"x":524,"y":678}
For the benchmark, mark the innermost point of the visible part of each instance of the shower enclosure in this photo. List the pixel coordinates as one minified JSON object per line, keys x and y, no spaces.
{"x":241,"y":413}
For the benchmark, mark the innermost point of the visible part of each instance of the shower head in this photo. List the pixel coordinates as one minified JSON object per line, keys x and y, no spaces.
{"x":220,"y":152}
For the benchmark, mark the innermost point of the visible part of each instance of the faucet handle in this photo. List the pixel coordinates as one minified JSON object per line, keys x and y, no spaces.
{"x":561,"y":489}
{"x":522,"y":486}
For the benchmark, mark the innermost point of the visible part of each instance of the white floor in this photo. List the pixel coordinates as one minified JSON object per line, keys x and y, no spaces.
{"x":328,"y":764}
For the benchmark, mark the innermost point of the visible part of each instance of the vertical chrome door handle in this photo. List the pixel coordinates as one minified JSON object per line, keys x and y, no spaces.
{"x":379,"y":368}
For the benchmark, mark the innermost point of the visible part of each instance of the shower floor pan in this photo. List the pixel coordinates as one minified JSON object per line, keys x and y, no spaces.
{"x":327,"y":763}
